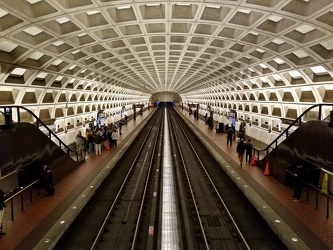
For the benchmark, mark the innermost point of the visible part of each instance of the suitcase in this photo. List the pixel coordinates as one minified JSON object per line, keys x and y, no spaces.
{"x":50,"y":191}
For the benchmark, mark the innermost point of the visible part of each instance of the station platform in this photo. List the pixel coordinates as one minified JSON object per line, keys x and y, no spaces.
{"x":43,"y":219}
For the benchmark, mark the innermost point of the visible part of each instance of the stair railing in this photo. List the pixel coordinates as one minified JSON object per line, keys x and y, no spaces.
{"x":39,"y":123}
{"x":285,"y":133}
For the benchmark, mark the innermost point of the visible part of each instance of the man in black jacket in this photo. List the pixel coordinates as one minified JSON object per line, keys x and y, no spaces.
{"x":2,"y":209}
{"x":300,"y":180}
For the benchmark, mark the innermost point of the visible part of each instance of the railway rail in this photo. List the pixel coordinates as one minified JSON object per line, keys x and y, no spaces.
{"x":126,"y":211}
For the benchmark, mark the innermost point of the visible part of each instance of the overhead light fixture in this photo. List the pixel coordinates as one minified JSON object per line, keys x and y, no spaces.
{"x":245,"y":11}
{"x":278,"y":41}
{"x":7,"y":46}
{"x":33,"y":1}
{"x":305,"y":29}
{"x":294,"y":74}
{"x":3,"y":12}
{"x":275,"y":18}
{"x":57,"y":62}
{"x":318,"y":70}
{"x":18,"y":71}
{"x":33,"y":31}
{"x":213,"y":6}
{"x":36,"y":56}
{"x":123,"y":7}
{"x":279,"y":60}
{"x":41,"y":75}
{"x":327,"y":44}
{"x":58,"y":43}
{"x":92,"y":12}
{"x":300,"y":54}
{"x":277,"y":77}
{"x":62,"y":20}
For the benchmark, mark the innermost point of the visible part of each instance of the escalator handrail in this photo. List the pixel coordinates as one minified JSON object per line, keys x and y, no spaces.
{"x":39,"y":121}
{"x":285,"y":132}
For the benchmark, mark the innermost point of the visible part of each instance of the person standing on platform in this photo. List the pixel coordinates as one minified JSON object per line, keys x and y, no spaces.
{"x":300,"y":180}
{"x":98,"y":139}
{"x":240,"y":150}
{"x":114,"y":137}
{"x":45,"y":176}
{"x":2,"y":209}
{"x":120,"y":126}
{"x":249,"y":149}
{"x":230,"y":132}
{"x":79,"y":141}
{"x":90,"y":142}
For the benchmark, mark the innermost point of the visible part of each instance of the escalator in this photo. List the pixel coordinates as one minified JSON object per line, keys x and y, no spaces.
{"x":311,"y":142}
{"x":23,"y":150}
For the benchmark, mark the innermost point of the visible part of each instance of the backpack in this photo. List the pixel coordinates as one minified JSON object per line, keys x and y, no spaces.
{"x":230,"y":131}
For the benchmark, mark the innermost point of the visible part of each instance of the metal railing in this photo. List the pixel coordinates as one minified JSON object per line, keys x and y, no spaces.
{"x":21,"y":193}
{"x":285,"y":133}
{"x":318,"y":191}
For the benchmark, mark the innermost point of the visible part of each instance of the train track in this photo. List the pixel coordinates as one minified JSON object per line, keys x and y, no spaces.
{"x":213,"y":225}
{"x":120,"y":210}
{"x":126,"y":211}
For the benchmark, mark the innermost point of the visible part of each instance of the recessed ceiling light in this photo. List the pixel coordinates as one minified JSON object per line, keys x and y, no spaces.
{"x":295,"y":74}
{"x":33,"y":31}
{"x":18,"y":71}
{"x":7,"y":46}
{"x":300,"y":54}
{"x":62,"y":20}
{"x":279,"y":61}
{"x":275,"y":18}
{"x":3,"y":12}
{"x":123,"y":7}
{"x":36,"y":56}
{"x":278,"y":41}
{"x":92,"y":12}
{"x":57,"y":62}
{"x":245,"y":11}
{"x":305,"y":29}
{"x":263,"y":79}
{"x":41,"y":75}
{"x":254,"y":33}
{"x":318,"y":69}
{"x":72,"y":67}
{"x":214,"y":6}
{"x":58,"y":43}
{"x":327,"y":44}
{"x":277,"y":77}
{"x":33,"y":1}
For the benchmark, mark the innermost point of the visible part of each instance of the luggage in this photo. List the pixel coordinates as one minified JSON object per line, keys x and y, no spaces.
{"x":50,"y":190}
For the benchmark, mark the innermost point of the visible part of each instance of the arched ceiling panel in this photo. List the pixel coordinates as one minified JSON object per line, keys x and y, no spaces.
{"x":284,"y":47}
